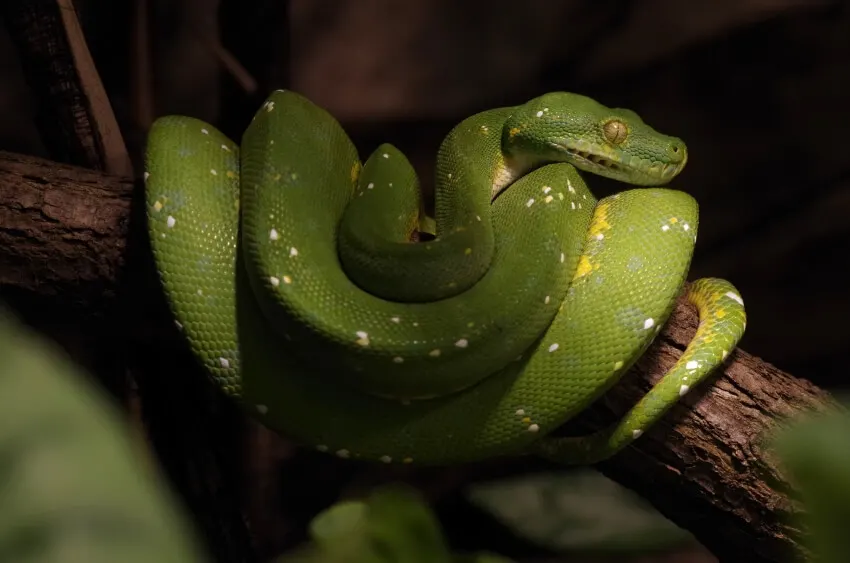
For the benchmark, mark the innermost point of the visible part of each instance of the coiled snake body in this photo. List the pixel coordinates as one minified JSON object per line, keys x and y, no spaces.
{"x":289,"y":268}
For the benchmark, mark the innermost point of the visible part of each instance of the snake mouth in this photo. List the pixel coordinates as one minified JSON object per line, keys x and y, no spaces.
{"x":594,"y":159}
{"x":645,"y":172}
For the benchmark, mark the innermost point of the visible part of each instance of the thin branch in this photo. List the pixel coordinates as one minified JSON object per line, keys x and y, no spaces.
{"x":74,"y":115}
{"x":141,"y":72}
{"x":234,"y":68}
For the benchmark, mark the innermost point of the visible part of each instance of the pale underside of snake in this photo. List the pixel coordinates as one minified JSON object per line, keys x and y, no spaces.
{"x":289,"y":268}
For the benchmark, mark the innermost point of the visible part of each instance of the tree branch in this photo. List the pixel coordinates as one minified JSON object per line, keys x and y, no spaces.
{"x":64,"y":233}
{"x":709,"y":459}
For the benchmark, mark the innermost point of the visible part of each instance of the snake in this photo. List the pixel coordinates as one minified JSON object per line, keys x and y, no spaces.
{"x":316,"y":291}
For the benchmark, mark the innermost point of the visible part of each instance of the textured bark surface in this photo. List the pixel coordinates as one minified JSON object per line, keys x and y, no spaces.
{"x":63,"y":229}
{"x":706,"y":466}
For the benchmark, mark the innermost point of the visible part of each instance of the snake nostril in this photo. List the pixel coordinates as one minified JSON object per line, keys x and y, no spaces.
{"x":676,"y":151}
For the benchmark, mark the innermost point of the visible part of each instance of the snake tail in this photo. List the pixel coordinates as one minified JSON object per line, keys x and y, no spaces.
{"x":722,"y":321}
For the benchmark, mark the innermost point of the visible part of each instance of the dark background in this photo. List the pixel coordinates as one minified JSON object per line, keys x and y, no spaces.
{"x":758,"y":89}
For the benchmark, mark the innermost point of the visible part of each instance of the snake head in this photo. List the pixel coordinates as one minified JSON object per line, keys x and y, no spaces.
{"x":615,"y":143}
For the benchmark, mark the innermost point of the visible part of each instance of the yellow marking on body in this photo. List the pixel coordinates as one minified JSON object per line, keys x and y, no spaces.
{"x":513,"y":132}
{"x":277,"y":177}
{"x":230,"y":174}
{"x":720,"y":314}
{"x":599,"y":224}
{"x":468,"y":251}
{"x":526,"y":419}
{"x":355,"y":171}
{"x":703,"y":301}
{"x":674,"y":220}
{"x":157,"y":205}
{"x":585,"y":266}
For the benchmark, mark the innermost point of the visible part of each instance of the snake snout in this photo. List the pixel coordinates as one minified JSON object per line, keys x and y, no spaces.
{"x":677,"y":152}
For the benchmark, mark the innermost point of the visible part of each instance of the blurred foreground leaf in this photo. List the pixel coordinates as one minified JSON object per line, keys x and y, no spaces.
{"x":74,"y":487}
{"x":393,"y":525}
{"x":578,"y":511}
{"x":816,"y":452}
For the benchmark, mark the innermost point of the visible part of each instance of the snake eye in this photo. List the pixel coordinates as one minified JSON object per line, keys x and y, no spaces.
{"x":615,"y":131}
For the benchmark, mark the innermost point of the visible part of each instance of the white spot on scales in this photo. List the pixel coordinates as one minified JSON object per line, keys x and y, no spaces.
{"x":734,"y":297}
{"x":362,"y":338}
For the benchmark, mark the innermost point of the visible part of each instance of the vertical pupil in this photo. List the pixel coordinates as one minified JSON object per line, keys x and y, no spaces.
{"x":614,"y":131}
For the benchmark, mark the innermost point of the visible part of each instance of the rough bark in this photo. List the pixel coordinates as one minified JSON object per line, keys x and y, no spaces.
{"x":707,"y":466}
{"x":63,"y":229}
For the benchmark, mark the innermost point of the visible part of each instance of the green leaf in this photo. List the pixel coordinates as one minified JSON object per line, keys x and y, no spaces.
{"x":73,"y":485}
{"x":816,"y":452}
{"x":338,"y":522}
{"x":578,"y":511}
{"x":393,"y":524}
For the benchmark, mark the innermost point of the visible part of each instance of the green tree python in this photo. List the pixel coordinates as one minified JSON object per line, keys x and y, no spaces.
{"x":291,"y":270}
